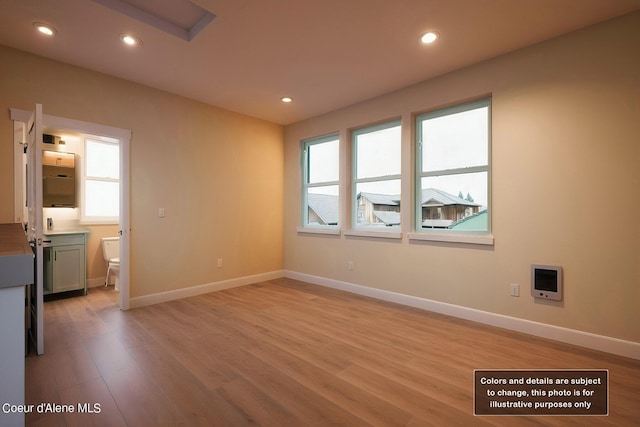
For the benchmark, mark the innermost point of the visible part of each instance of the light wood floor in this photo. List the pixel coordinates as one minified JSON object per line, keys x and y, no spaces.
{"x":286,"y":353}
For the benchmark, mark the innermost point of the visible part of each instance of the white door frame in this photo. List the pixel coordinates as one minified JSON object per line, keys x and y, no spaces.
{"x":124,"y":136}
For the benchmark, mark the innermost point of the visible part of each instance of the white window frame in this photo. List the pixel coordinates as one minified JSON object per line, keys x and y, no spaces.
{"x":484,"y":237}
{"x":369,"y":230}
{"x":306,"y":185}
{"x":84,"y":218}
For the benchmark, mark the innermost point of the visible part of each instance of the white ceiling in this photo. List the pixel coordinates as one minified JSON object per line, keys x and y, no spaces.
{"x":325,"y":54}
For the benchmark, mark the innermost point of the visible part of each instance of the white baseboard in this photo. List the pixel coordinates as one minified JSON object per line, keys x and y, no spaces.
{"x":570,"y":336}
{"x":202,"y":289}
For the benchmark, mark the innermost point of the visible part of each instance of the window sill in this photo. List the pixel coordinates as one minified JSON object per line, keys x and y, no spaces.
{"x":480,"y":239}
{"x":374,"y":233}
{"x":319,"y":230}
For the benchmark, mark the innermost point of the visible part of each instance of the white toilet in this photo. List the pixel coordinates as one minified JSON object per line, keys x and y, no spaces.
{"x":111,"y":253}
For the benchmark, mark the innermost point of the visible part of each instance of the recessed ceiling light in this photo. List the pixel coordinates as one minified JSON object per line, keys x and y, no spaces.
{"x":286,"y":99}
{"x":45,"y":29}
{"x":429,"y":37}
{"x":130,"y":40}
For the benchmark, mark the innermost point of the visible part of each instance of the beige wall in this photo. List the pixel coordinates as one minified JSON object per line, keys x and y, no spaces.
{"x":566,"y":145}
{"x":209,"y":168}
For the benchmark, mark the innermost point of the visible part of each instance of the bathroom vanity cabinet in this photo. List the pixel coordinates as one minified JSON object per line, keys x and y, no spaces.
{"x":65,"y":261}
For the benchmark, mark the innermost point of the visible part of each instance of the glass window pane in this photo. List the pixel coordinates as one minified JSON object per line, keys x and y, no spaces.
{"x":378,"y":203}
{"x":323,"y":162}
{"x":102,"y":159}
{"x":378,"y":153}
{"x":455,"y":201}
{"x":102,"y":198}
{"x":322,"y":205}
{"x":455,"y":140}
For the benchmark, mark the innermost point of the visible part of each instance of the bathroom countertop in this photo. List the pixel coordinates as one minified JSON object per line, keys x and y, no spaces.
{"x":65,"y":230}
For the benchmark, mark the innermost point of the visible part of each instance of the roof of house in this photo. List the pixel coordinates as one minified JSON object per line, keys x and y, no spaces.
{"x":431,"y":196}
{"x":388,"y":217}
{"x":434,"y":196}
{"x":325,"y":206}
{"x":477,"y":221}
{"x":382,"y":199}
{"x":437,"y":223}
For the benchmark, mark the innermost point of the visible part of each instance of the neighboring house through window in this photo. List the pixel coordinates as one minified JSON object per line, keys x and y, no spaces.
{"x":452,"y":176}
{"x":376,"y":175}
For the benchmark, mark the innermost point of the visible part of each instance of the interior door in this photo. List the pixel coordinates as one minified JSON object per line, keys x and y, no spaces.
{"x":34,"y":223}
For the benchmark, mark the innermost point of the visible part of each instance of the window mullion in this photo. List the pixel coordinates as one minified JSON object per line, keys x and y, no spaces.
{"x":377,"y":179}
{"x":457,"y":171}
{"x":322,"y":184}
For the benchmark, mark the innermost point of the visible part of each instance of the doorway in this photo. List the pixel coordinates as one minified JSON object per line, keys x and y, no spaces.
{"x":80,"y":130}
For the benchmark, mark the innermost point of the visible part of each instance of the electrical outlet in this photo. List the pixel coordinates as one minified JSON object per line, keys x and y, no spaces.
{"x":515,"y":290}
{"x":350,"y":265}
{"x":161,"y":212}
{"x":219,"y":262}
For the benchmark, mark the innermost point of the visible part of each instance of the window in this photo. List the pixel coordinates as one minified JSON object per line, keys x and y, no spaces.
{"x":320,"y":181}
{"x":452,"y":177}
{"x":376,"y":176}
{"x":101,"y":181}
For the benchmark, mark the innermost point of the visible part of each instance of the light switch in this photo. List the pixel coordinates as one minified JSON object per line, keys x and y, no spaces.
{"x":161,"y":212}
{"x":515,"y":290}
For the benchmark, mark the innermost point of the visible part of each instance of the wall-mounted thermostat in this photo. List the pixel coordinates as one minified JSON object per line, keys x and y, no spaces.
{"x":546,"y":281}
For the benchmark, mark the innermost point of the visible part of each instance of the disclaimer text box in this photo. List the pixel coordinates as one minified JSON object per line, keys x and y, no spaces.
{"x":541,"y":392}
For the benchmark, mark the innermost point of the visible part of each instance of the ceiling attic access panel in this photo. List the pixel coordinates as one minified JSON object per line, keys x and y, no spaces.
{"x":180,"y":18}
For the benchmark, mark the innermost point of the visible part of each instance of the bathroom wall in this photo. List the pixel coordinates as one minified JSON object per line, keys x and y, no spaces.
{"x":96,"y":268}
{"x":96,"y":265}
{"x":218,"y":174}
{"x":565,"y":179}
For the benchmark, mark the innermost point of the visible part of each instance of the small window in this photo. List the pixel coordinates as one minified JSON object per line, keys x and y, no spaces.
{"x":376,"y":176}
{"x":452,"y":179}
{"x":101,"y":181}
{"x":321,"y":166}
